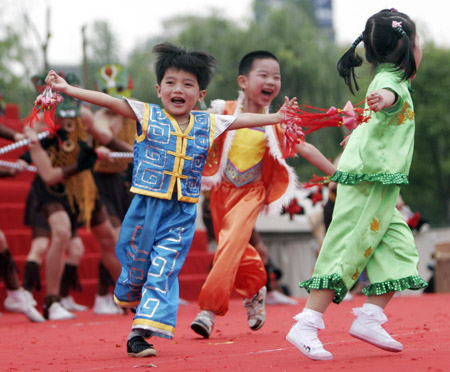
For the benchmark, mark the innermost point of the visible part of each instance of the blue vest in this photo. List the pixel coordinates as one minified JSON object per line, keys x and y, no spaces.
{"x":165,"y":157}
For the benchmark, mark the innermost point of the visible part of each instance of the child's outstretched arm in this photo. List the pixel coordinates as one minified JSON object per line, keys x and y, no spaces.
{"x":97,"y":98}
{"x":315,"y":157}
{"x":380,"y":99}
{"x":249,"y":120}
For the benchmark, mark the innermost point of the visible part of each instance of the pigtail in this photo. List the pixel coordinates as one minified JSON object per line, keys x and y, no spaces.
{"x":346,"y":65}
{"x":404,"y":53}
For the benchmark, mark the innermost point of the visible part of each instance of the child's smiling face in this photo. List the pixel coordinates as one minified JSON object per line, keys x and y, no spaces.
{"x":179,"y":92}
{"x":263,"y":83}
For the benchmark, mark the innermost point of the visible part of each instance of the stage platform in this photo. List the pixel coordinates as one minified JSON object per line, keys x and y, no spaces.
{"x":97,"y":343}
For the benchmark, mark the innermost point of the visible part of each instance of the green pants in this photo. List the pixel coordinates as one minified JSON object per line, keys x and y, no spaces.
{"x":366,"y":232}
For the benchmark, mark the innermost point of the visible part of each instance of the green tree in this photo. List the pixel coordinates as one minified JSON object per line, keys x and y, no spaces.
{"x":103,"y":47}
{"x":141,"y":69}
{"x":15,"y":66}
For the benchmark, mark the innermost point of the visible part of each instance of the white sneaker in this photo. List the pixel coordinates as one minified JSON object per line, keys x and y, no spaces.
{"x":69,"y":304}
{"x":57,"y":312}
{"x":30,"y":297}
{"x":105,"y":305}
{"x":303,"y":335}
{"x":21,"y":301}
{"x":367,"y":327}
{"x":204,"y":323}
{"x":277,"y":298}
{"x":256,"y":309}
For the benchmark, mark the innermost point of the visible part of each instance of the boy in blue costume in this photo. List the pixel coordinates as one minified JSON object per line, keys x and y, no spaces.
{"x":170,"y":150}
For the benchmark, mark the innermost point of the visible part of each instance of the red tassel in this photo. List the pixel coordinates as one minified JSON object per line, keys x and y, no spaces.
{"x":30,"y":119}
{"x":49,"y":115}
{"x":316,"y":181}
{"x":307,"y":119}
{"x":47,"y":102}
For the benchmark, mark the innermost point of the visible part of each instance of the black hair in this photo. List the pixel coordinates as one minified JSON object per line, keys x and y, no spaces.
{"x":389,"y":37}
{"x":199,"y":63}
{"x":246,"y":64}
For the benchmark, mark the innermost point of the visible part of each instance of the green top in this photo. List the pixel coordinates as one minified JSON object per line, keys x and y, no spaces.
{"x":381,"y":149}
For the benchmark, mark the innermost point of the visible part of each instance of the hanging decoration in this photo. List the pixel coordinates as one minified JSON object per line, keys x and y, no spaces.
{"x":304,"y":120}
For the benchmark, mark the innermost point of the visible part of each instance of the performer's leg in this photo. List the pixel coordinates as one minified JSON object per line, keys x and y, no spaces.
{"x":251,"y":274}
{"x":157,"y":311}
{"x":70,"y":279}
{"x":392,"y":268}
{"x":133,"y":250}
{"x":234,"y":212}
{"x":18,"y":299}
{"x":61,"y":231}
{"x":60,"y":238}
{"x":8,"y":268}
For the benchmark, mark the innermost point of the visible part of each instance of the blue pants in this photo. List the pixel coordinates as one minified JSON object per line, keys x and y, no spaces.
{"x":154,"y":240}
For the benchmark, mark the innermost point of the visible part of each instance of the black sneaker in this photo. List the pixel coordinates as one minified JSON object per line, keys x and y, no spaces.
{"x":139,"y":348}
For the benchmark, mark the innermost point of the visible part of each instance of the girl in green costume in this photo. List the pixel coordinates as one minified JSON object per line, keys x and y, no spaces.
{"x":367,"y":232}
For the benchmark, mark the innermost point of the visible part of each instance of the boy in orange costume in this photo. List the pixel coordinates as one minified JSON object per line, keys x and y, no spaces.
{"x":248,"y":174}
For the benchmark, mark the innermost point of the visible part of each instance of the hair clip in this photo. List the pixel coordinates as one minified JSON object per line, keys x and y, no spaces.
{"x":397,"y":26}
{"x":393,"y":10}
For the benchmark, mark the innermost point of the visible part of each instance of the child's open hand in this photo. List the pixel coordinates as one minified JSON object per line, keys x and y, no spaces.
{"x":380,"y":99}
{"x":56,"y":82}
{"x":291,"y":103}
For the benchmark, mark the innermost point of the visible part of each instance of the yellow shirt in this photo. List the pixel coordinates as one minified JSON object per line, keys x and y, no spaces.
{"x":246,"y":155}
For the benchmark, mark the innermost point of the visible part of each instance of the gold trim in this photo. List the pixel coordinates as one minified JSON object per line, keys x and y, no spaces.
{"x":144,"y":124}
{"x":154,"y":324}
{"x":187,"y":199}
{"x":155,"y":194}
{"x":212,"y":119}
{"x":191,"y":123}
{"x":125,"y":304}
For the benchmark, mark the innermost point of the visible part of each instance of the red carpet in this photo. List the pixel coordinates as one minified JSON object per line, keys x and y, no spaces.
{"x":97,"y":343}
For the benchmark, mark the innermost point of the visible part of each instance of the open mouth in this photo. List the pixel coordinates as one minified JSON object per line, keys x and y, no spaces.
{"x":178,"y":101}
{"x":266,"y":93}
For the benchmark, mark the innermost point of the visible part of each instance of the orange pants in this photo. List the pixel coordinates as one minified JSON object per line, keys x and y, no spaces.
{"x":236,"y":264}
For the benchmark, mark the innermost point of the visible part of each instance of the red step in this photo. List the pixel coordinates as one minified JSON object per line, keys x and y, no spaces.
{"x":14,"y":191}
{"x":11,"y":216}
